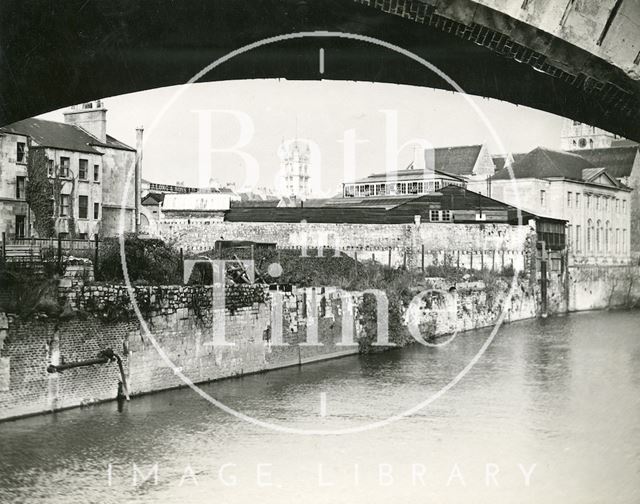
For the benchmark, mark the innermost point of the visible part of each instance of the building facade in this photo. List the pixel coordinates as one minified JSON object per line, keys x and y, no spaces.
{"x":90,"y":170}
{"x":561,"y":185}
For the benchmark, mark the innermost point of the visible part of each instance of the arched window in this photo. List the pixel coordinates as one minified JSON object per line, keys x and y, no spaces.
{"x":591,"y":143}
{"x":589,"y":236}
{"x":607,"y":236}
{"x":599,"y":237}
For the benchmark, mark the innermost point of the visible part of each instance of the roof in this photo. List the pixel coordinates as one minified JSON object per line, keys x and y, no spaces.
{"x":448,"y":162}
{"x":400,"y":175}
{"x":385,"y":210}
{"x":617,"y":160}
{"x":153,"y":198}
{"x":546,"y":163}
{"x":59,"y":135}
{"x":458,"y":160}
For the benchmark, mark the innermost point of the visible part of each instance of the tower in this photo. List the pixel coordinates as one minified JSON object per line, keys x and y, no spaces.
{"x":576,"y":135}
{"x":295,"y":157}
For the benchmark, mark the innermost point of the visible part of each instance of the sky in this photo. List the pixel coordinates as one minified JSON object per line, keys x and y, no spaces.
{"x":190,"y":129}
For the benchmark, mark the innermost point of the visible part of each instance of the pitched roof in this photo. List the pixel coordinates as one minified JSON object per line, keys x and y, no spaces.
{"x":153,"y":198}
{"x":458,"y":160}
{"x":546,"y":163}
{"x":617,"y":160}
{"x":59,"y":135}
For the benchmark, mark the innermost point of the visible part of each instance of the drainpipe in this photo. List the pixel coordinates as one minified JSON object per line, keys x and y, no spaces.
{"x":104,"y":356}
{"x":138,"y":175}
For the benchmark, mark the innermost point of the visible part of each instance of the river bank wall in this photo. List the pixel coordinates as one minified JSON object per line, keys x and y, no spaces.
{"x":181,"y":322}
{"x":315,"y":324}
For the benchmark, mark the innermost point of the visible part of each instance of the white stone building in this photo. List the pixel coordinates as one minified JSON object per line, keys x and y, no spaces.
{"x":567,"y":186}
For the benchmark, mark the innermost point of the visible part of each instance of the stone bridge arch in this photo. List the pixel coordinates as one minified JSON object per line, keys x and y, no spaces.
{"x":575,"y":58}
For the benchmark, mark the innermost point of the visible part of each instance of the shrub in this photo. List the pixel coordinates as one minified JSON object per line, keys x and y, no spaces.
{"x":149,"y":261}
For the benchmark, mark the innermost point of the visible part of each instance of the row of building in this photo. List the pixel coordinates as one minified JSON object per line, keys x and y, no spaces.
{"x":592,"y":191}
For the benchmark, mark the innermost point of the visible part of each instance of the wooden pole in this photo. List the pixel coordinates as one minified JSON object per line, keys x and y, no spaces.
{"x":181,"y":262}
{"x":96,"y":241}
{"x":59,"y":252}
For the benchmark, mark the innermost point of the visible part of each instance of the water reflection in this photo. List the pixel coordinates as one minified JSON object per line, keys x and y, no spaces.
{"x":556,"y":397}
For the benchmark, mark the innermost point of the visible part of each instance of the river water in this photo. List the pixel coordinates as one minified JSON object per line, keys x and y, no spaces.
{"x":549,"y":413}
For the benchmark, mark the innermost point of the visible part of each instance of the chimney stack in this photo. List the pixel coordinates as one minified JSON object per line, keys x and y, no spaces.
{"x":138,"y":175}
{"x":91,"y":117}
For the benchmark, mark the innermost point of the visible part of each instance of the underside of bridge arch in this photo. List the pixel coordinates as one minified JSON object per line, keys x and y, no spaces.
{"x":55,"y":54}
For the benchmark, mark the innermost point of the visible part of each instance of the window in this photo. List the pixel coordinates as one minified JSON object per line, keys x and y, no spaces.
{"x":591,"y":143}
{"x":624,"y":241}
{"x":597,"y":202}
{"x":434,"y":215}
{"x":576,"y":123}
{"x":617,"y":205}
{"x":598,"y":237}
{"x":624,"y":206}
{"x":569,"y":234}
{"x":588,"y":201}
{"x":64,"y":205}
{"x":83,"y":207}
{"x":83,"y":236}
{"x":578,"y":230}
{"x":20,"y":153}
{"x":21,"y":226}
{"x":65,"y":163}
{"x":83,"y":166}
{"x":50,"y":167}
{"x":543,"y":195}
{"x":446,"y":215}
{"x":569,"y":194}
{"x":96,"y":173}
{"x":20,"y":188}
{"x":617,"y":240}
{"x":582,"y":143}
{"x":607,"y":231}
{"x":589,"y":235}
{"x":577,"y":200}
{"x":96,"y":211}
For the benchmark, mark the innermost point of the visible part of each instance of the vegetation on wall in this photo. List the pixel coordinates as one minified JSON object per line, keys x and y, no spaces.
{"x":40,"y":193}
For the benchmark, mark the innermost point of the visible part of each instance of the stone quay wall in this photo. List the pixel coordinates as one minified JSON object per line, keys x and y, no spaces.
{"x":180,"y":320}
{"x":473,"y":246}
{"x":603,"y":287}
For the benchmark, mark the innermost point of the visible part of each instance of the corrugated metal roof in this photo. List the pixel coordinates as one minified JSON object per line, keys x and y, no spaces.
{"x":402,"y":211}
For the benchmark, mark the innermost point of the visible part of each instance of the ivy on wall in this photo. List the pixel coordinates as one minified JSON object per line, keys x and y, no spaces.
{"x":40,"y":193}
